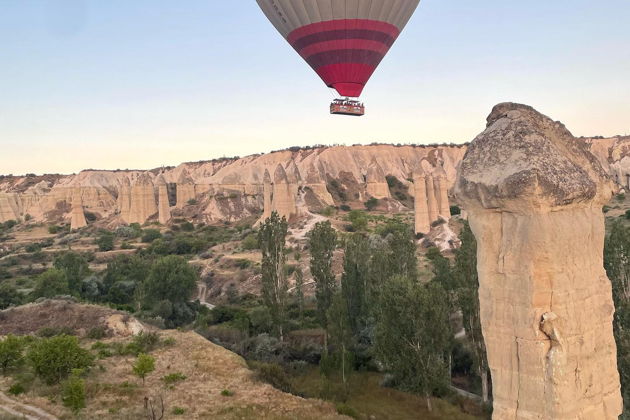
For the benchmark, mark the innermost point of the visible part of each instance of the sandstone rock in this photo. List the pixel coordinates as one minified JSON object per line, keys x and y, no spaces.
{"x":421,"y":208}
{"x":534,"y":196}
{"x":142,"y":200}
{"x":440,"y":183}
{"x":267,"y":192}
{"x":124,"y":199}
{"x":9,"y":207}
{"x":432,"y":203}
{"x":164,"y":209}
{"x":283,"y":200}
{"x":376,"y":183}
{"x":185,"y":189}
{"x":77,"y":217}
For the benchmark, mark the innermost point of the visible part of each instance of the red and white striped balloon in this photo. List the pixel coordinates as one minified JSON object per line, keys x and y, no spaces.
{"x":342,"y":40}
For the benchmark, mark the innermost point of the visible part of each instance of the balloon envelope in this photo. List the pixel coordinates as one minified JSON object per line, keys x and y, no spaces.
{"x":342,"y":40}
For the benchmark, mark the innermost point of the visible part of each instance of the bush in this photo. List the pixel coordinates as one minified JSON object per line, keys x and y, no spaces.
{"x":227,"y":393}
{"x":345,"y":207}
{"x":173,"y":378}
{"x":346,"y":410}
{"x":150,"y":235}
{"x":250,"y":242}
{"x":627,"y":214}
{"x":11,"y":352}
{"x":272,"y":374}
{"x":105,"y":241}
{"x":9,"y":296}
{"x":178,"y":411}
{"x":371,"y":204}
{"x":455,"y":210}
{"x":192,"y":202}
{"x":16,"y":389}
{"x":54,"y":358}
{"x":97,"y":333}
{"x":144,"y":342}
{"x":73,"y":392}
{"x":51,"y":283}
{"x":144,"y":365}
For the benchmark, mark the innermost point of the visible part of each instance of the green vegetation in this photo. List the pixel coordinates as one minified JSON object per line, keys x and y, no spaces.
{"x":53,"y":359}
{"x":322,"y":242}
{"x":11,"y":352}
{"x":105,"y":241}
{"x":73,"y":391}
{"x":144,"y":365}
{"x":51,"y":283}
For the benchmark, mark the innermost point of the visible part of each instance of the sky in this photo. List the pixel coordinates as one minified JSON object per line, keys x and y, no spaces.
{"x":121,"y":84}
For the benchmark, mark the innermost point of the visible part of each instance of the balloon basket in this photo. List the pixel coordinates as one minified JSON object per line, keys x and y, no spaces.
{"x":347,"y":107}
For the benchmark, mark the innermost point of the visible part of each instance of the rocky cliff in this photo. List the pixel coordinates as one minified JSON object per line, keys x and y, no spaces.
{"x":534,"y":196}
{"x":233,"y":189}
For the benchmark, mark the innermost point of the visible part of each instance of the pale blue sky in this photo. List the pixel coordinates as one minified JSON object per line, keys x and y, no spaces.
{"x":143,"y":83}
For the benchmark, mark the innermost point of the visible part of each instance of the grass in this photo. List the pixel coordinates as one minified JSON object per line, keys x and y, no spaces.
{"x":367,"y":399}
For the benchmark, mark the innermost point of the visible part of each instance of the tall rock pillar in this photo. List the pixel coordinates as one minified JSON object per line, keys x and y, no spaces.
{"x":143,"y":204}
{"x":421,"y":209}
{"x":284,"y":199}
{"x":440,"y":184}
{"x":534,"y":197}
{"x":77,"y":217}
{"x":124,"y":199}
{"x":267,"y":191}
{"x":164,"y":209}
{"x":431,"y":199}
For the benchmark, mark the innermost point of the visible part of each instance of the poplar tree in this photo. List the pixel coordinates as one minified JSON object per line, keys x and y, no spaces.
{"x":323,"y":241}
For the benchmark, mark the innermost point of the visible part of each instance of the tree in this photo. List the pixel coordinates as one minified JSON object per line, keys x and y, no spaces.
{"x":340,"y":333}
{"x":413,"y":335}
{"x":51,"y":283}
{"x":403,"y":259}
{"x":354,"y":281}
{"x":150,"y":235}
{"x":144,"y":365}
{"x":271,"y":239}
{"x":323,"y":241}
{"x":170,"y":278}
{"x":54,"y":358}
{"x":105,"y":241}
{"x":73,"y":391}
{"x":467,"y":296}
{"x":299,"y":291}
{"x":124,"y":273}
{"x":75,"y":267}
{"x":9,"y":296}
{"x":11,"y":352}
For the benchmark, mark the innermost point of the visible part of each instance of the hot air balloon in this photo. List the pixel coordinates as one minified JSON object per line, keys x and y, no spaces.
{"x":344,"y":41}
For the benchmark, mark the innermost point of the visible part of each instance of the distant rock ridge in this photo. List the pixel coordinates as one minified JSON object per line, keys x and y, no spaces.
{"x":233,"y":189}
{"x":534,"y":196}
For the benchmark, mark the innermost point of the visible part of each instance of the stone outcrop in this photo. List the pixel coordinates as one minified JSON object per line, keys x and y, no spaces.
{"x":164,"y":209}
{"x":267,"y":193}
{"x":142,"y":200}
{"x":283,"y":199}
{"x":124,"y":199}
{"x":77,"y":217}
{"x":534,"y":197}
{"x":376,"y":184}
{"x":440,"y":183}
{"x":185,"y":189}
{"x":421,"y":208}
{"x":432,"y":203}
{"x":9,"y":207}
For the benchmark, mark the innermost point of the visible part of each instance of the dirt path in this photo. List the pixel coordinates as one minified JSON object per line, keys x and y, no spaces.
{"x":21,"y":410}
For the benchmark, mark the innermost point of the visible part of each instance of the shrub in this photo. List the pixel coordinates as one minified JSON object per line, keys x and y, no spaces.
{"x":178,"y":411}
{"x":73,"y":392}
{"x":9,"y":295}
{"x":192,"y":202}
{"x":16,"y":389}
{"x":250,"y":242}
{"x":54,"y":358}
{"x":227,"y":393}
{"x":105,"y":241}
{"x":346,"y":410}
{"x":627,"y":214}
{"x":144,"y":365}
{"x":272,"y":374}
{"x":371,"y":204}
{"x":455,"y":210}
{"x":11,"y":352}
{"x":173,"y":378}
{"x":187,"y":227}
{"x":144,"y":342}
{"x":51,"y":283}
{"x":345,"y":207}
{"x":97,"y":333}
{"x":150,"y":235}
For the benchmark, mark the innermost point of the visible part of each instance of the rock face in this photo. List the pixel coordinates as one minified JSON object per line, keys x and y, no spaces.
{"x":421,"y":208}
{"x":164,"y":209}
{"x":124,"y":199}
{"x":185,"y":189}
{"x":77,"y":220}
{"x":142,"y":200}
{"x":376,"y":183}
{"x":534,"y":197}
{"x":283,"y":199}
{"x":440,"y":183}
{"x":267,"y":192}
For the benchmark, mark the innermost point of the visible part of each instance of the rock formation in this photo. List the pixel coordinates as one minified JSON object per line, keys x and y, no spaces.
{"x":9,"y":207}
{"x":142,"y":203}
{"x":267,"y":192}
{"x":421,"y":208}
{"x":185,"y":189}
{"x":124,"y":199}
{"x":376,"y":184}
{"x":440,"y":183}
{"x":534,"y":197}
{"x":283,"y":200}
{"x":164,"y":209}
{"x":432,"y":203}
{"x":77,"y":217}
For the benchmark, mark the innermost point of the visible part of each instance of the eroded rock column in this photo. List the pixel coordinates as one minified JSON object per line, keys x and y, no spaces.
{"x":431,"y":199}
{"x":77,"y":216}
{"x":421,"y":209}
{"x":534,"y":197}
{"x":164,"y":209}
{"x":283,"y":200}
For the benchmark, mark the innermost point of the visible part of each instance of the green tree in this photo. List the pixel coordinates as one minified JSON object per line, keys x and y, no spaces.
{"x":9,"y":296}
{"x":403,"y":259}
{"x":413,"y":335}
{"x":354,"y":281}
{"x":144,"y":365}
{"x":54,"y":358}
{"x":105,"y":241}
{"x":340,"y":334}
{"x":271,"y":239}
{"x":467,"y":296}
{"x":299,"y":291}
{"x":52,"y":282}
{"x":170,"y":278}
{"x":73,"y":391}
{"x":150,"y":235}
{"x":11,"y":352}
{"x":122,"y":276}
{"x":75,"y":267}
{"x":322,"y":242}
{"x":358,"y":219}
